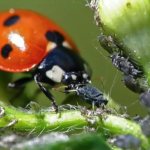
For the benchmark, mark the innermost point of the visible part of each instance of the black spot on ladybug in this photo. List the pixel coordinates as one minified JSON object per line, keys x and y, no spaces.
{"x":11,"y":20}
{"x":54,"y":36}
{"x":6,"y":49}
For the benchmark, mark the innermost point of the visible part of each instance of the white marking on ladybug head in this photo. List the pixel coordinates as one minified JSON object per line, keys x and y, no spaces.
{"x":11,"y":10}
{"x":55,"y":74}
{"x":74,"y":77}
{"x":18,"y":40}
{"x":51,"y":46}
{"x":85,"y":76}
{"x":67,"y":45}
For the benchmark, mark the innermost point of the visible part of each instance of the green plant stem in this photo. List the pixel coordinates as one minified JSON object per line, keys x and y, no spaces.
{"x":118,"y":125}
{"x":45,"y":121}
{"x":28,"y":121}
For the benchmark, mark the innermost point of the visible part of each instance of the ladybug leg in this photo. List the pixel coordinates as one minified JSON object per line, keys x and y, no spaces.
{"x":45,"y":91}
{"x":20,"y":82}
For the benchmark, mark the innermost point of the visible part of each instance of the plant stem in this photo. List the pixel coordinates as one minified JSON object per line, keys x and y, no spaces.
{"x":67,"y":120}
{"x":119,"y":125}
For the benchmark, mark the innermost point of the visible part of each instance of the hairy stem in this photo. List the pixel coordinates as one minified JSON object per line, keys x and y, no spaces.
{"x":44,"y":121}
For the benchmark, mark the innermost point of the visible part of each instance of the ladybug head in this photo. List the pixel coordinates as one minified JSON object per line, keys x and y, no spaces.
{"x":63,"y":64}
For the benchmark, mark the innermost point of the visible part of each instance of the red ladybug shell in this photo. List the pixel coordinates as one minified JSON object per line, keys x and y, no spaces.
{"x":22,"y":39}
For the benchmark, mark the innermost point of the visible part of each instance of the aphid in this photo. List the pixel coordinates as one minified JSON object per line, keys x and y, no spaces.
{"x":133,"y":84}
{"x":145,"y":99}
{"x":89,"y":93}
{"x":127,"y":142}
{"x":145,"y":126}
{"x":130,"y":72}
{"x":124,"y":65}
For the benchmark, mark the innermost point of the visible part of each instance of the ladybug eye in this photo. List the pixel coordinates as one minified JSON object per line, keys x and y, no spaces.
{"x":11,"y":20}
{"x":6,"y":49}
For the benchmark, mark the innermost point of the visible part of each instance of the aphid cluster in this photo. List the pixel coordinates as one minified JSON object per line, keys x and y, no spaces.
{"x":132,"y":75}
{"x":131,"y":71}
{"x":128,"y":69}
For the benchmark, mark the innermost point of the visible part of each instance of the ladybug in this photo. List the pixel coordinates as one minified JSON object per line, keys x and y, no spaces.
{"x":30,"y":42}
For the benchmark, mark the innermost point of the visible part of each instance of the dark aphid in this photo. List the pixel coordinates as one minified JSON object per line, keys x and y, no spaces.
{"x":89,"y":93}
{"x":132,"y":84}
{"x":145,"y":126}
{"x":145,"y":99}
{"x":107,"y":42}
{"x":124,"y":65}
{"x":130,"y":71}
{"x":127,"y":142}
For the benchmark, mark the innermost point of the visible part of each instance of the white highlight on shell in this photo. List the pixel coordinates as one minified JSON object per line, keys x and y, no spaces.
{"x":55,"y":74}
{"x":18,"y":40}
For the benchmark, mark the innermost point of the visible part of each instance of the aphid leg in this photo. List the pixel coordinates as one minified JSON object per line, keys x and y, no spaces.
{"x":10,"y":124}
{"x":20,"y":82}
{"x":45,"y":91}
{"x":93,"y":106}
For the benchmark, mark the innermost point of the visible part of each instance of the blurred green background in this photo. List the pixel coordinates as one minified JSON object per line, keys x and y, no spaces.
{"x":77,"y":20}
